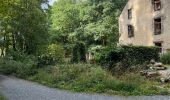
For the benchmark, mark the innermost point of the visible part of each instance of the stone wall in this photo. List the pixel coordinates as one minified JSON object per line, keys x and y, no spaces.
{"x":143,"y":16}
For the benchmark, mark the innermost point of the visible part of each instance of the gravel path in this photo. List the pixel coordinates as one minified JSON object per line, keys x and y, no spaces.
{"x":17,"y":89}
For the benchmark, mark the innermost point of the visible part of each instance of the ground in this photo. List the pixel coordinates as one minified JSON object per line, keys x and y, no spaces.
{"x":17,"y":89}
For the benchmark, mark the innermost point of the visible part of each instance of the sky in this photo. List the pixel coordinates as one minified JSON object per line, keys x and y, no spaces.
{"x":51,"y":2}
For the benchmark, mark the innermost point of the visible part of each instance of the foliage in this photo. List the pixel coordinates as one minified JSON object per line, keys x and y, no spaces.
{"x":21,"y":68}
{"x":23,"y":25}
{"x":75,"y":55}
{"x":79,"y":53}
{"x":19,"y":56}
{"x":127,"y":56}
{"x":65,"y":18}
{"x":56,"y":51}
{"x":92,"y":78}
{"x":53,"y":55}
{"x":82,"y":78}
{"x":140,"y":54}
{"x":165,"y":58}
{"x":96,"y":52}
{"x":91,"y":22}
{"x":82,"y":52}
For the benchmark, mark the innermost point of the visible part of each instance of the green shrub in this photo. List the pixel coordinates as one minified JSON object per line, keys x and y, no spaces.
{"x":26,"y":69}
{"x":141,"y":54}
{"x":92,"y":78}
{"x":19,"y":56}
{"x":128,"y":56}
{"x":23,"y":68}
{"x":97,"y":52}
{"x":56,"y":52}
{"x":53,"y":55}
{"x":165,"y":58}
{"x":8,"y":66}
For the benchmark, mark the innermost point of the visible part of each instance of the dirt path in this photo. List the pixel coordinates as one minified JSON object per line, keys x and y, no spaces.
{"x":17,"y":89}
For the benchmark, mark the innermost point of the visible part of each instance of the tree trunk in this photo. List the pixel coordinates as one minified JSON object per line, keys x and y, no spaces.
{"x":13,"y":41}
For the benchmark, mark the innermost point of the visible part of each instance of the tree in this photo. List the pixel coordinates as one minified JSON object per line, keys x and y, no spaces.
{"x":65,"y":18}
{"x":24,"y":24}
{"x":91,"y":22}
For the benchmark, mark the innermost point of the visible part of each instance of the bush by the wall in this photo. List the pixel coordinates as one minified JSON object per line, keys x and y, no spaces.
{"x":109,"y":57}
{"x":165,"y":58}
{"x":141,"y":54}
{"x":128,"y":56}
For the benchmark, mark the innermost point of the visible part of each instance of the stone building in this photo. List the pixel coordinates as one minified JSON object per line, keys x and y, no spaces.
{"x":146,"y":23}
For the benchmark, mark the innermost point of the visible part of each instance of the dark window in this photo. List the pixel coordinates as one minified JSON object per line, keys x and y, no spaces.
{"x":156,"y":4}
{"x":159,"y":45}
{"x":157,"y":26}
{"x":130,"y":31}
{"x":129,"y":13}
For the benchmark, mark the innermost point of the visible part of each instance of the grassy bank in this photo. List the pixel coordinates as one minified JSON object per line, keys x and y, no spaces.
{"x":93,"y":79}
{"x":89,"y":78}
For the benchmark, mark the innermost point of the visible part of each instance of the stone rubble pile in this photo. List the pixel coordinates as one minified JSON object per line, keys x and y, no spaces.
{"x":157,"y":70}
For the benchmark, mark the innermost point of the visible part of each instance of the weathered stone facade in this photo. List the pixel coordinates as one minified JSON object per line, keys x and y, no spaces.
{"x":143,"y":16}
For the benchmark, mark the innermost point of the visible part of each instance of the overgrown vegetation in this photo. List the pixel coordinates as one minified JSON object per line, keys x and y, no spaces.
{"x":54,"y":54}
{"x":88,"y":78}
{"x":92,"y":23}
{"x":2,"y":97}
{"x":92,"y":78}
{"x":35,"y":40}
{"x":165,"y":58}
{"x":21,"y":68}
{"x":127,"y":56}
{"x":23,"y":26}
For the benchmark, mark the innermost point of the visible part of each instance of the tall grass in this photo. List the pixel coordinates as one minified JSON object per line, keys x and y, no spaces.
{"x":81,"y":78}
{"x":2,"y":97}
{"x":92,"y":78}
{"x":165,"y":58}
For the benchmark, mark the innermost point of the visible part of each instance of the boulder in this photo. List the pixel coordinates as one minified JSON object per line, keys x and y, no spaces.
{"x":164,"y":73}
{"x":159,"y":68}
{"x":152,"y":74}
{"x":164,"y":76}
{"x":165,"y":80}
{"x":158,"y":64}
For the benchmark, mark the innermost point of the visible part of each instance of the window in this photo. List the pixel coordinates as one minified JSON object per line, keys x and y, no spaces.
{"x":159,"y":45}
{"x":156,"y":4}
{"x":157,"y":26}
{"x":130,"y":31}
{"x":129,"y":13}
